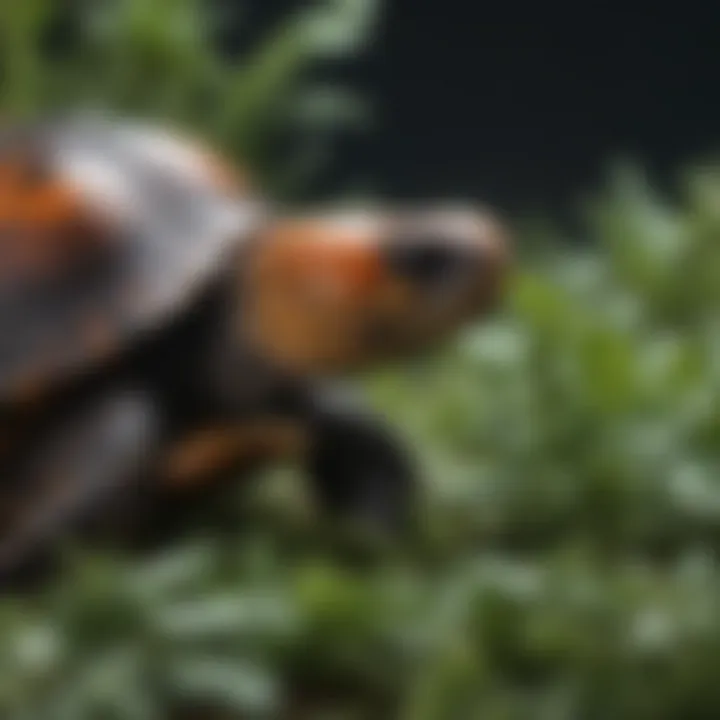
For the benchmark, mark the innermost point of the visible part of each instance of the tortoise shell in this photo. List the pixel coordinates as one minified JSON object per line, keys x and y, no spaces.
{"x":107,"y":228}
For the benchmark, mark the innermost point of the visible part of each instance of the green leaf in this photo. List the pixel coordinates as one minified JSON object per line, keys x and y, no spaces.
{"x":233,"y":684}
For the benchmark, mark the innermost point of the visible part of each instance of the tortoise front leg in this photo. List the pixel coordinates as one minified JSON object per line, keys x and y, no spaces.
{"x":99,"y":452}
{"x":358,"y":470}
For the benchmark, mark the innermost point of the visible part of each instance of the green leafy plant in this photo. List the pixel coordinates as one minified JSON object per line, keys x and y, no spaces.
{"x":566,"y":567}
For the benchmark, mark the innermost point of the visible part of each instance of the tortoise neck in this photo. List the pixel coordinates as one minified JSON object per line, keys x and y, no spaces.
{"x":240,"y":377}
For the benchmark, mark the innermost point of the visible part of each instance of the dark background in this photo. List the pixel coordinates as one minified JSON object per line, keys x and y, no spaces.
{"x":525,"y":104}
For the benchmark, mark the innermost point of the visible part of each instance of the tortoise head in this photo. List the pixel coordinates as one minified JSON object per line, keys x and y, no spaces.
{"x":335,"y":292}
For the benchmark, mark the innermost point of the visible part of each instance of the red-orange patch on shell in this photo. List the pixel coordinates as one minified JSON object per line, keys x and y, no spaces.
{"x":45,"y":227}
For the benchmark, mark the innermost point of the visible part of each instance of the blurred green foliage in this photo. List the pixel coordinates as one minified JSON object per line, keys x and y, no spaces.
{"x":158,"y":59}
{"x":566,"y":565}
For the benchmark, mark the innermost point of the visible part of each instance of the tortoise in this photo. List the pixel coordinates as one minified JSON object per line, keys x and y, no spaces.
{"x":165,"y":330}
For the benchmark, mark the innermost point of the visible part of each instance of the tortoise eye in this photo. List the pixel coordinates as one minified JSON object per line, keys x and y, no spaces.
{"x":425,"y":259}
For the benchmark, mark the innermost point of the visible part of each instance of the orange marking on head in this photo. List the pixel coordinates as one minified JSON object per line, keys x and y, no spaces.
{"x":324,"y":257}
{"x":310,"y":284}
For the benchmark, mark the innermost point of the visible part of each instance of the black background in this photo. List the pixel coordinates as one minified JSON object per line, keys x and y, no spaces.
{"x":524,"y":104}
